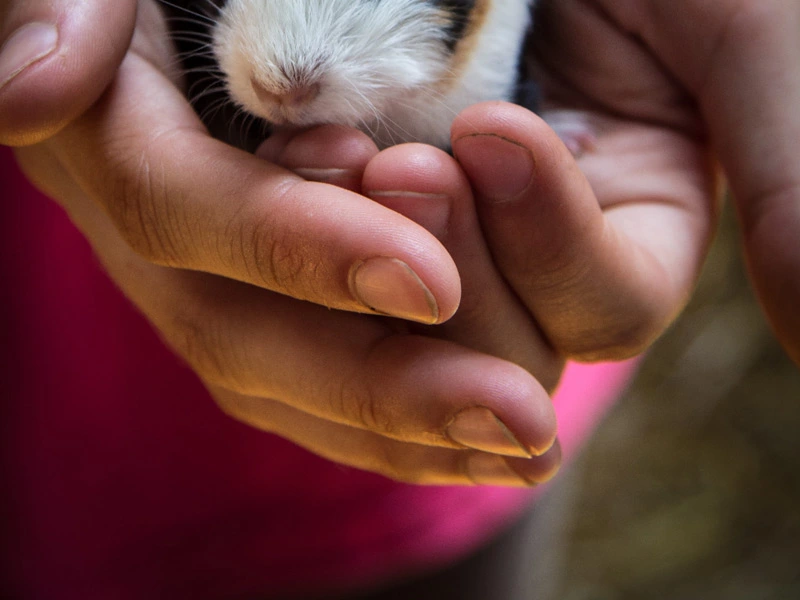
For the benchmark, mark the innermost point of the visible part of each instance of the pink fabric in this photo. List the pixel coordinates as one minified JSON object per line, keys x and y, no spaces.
{"x":123,"y":480}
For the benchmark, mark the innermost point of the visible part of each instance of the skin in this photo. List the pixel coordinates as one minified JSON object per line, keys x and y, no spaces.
{"x":236,"y":258}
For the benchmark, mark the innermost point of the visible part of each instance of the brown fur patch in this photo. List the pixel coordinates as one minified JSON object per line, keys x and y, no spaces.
{"x":465,"y":47}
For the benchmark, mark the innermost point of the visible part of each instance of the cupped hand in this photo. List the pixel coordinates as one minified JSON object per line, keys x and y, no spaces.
{"x":237,"y":263}
{"x":664,"y":84}
{"x":606,"y":271}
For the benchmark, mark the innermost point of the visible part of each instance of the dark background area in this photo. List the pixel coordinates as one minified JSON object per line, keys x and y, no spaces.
{"x":691,"y":487}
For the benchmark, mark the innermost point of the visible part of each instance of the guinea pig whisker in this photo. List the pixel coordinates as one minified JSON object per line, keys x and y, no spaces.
{"x":378,"y":119}
{"x":197,"y":27}
{"x":211,"y":74}
{"x":202,"y":55}
{"x":192,"y":37}
{"x":251,"y":121}
{"x":212,"y":7}
{"x":208,"y":20}
{"x":215,"y":79}
{"x":209,"y":97}
{"x":210,"y":112}
{"x":242,"y":116}
{"x":217,"y":94}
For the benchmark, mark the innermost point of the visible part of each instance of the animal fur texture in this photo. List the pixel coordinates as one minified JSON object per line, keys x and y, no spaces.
{"x":400,"y":70}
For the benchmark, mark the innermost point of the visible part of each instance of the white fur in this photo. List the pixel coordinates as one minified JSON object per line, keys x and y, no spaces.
{"x":380,"y":64}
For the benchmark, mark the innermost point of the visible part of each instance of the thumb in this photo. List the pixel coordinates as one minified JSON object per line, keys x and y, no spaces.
{"x":56,"y":58}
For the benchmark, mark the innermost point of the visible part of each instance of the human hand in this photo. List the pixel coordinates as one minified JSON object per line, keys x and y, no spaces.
{"x":673,"y":78}
{"x":219,"y":248}
{"x":426,"y":290}
{"x":561,"y":224}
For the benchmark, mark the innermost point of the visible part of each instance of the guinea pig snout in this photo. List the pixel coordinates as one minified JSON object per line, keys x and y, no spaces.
{"x":287,"y":99}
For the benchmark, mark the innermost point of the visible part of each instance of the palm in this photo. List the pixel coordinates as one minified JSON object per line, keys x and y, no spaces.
{"x":695,"y":75}
{"x":649,"y":174}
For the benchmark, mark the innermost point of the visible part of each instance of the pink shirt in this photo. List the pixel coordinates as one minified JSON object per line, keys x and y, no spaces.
{"x":123,"y":480}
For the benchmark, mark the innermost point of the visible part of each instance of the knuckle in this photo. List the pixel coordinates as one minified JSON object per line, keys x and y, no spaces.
{"x":609,"y":340}
{"x":142,"y":210}
{"x":279,"y":259}
{"x":397,"y":466}
{"x":284,"y":256}
{"x":360,"y":407}
{"x":208,"y":349}
{"x":391,"y":468}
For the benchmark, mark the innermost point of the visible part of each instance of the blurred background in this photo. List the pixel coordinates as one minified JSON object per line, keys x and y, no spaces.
{"x":691,"y":487}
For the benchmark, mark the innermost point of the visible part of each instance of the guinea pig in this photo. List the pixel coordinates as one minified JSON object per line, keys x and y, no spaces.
{"x":400,"y":70}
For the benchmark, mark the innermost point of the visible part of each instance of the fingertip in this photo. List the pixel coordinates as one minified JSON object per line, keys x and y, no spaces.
{"x":539,"y":469}
{"x":491,"y":469}
{"x":513,"y":396}
{"x":389,"y":286}
{"x":499,"y":168}
{"x":55,"y":62}
{"x":419,"y":182}
{"x":415,"y":168}
{"x":527,"y":410}
{"x":555,"y":137}
{"x":502,"y":146}
{"x":401,"y":288}
{"x":499,"y":118}
{"x":329,"y":154}
{"x":272,"y":148}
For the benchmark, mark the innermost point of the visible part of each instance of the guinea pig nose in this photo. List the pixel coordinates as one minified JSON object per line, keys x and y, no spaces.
{"x":295,"y":95}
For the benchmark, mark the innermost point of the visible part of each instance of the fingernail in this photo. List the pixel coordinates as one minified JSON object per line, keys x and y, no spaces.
{"x":498,"y":168}
{"x":26,"y":45}
{"x":540,"y":469}
{"x":349,"y":179}
{"x":389,"y":286}
{"x":490,"y":469}
{"x":477,"y":427}
{"x":323,"y":175}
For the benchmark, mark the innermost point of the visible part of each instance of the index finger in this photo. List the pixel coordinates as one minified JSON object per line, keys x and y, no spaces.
{"x":185,"y":200}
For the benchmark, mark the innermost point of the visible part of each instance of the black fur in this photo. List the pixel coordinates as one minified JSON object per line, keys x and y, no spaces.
{"x":461,"y":11}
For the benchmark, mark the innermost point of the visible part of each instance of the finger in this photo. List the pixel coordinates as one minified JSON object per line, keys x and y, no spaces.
{"x":183,"y":199}
{"x":55,"y":61}
{"x":356,"y":371}
{"x":601,"y":285}
{"x":410,"y":463}
{"x":428,"y":186}
{"x":190,"y":321}
{"x":329,"y":154}
{"x":360,"y":371}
